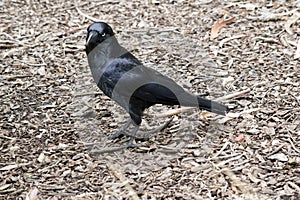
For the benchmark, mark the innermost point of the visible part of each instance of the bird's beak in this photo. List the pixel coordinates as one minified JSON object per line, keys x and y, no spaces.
{"x":90,"y":36}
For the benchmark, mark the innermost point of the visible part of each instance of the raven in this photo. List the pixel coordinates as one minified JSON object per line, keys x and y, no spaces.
{"x":123,"y":78}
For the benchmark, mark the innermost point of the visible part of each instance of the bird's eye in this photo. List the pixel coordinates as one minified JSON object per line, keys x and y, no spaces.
{"x":103,"y":34}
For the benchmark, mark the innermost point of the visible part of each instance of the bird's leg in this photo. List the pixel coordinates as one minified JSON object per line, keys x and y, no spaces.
{"x":160,"y":128}
{"x":148,"y":133}
{"x":120,"y":132}
{"x":132,"y":136}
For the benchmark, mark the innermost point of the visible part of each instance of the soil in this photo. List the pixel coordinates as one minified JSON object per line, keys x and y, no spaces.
{"x":55,"y":122}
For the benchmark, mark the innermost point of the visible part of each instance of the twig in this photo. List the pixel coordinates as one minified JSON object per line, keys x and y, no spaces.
{"x":7,"y":41}
{"x":292,"y":144}
{"x":12,"y":51}
{"x":229,"y":160}
{"x":84,"y":195}
{"x":250,"y":194}
{"x":295,"y":186}
{"x":106,"y":2}
{"x":94,"y":5}
{"x":218,"y":158}
{"x":49,"y":167}
{"x":291,"y":21}
{"x":42,"y":59}
{"x":187,"y":109}
{"x":154,"y":31}
{"x":74,"y":48}
{"x":266,"y":39}
{"x":87,"y":16}
{"x":8,"y":78}
{"x":87,"y":94}
{"x":231,"y":38}
{"x":297,"y":53}
{"x":122,"y":178}
{"x":230,"y":115}
{"x":176,"y":111}
{"x":12,"y":40}
{"x":108,"y":150}
{"x":33,"y":64}
{"x":276,"y":150}
{"x":221,"y":150}
{"x":234,"y":95}
{"x":235,"y":169}
{"x":6,"y":137}
{"x":13,"y":166}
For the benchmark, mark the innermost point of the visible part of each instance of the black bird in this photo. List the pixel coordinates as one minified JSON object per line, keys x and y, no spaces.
{"x":122,"y":77}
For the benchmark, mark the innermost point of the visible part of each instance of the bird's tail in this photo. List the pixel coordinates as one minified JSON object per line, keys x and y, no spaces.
{"x":192,"y":100}
{"x":212,"y":106}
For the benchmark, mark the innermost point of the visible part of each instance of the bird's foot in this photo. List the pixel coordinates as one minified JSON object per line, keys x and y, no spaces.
{"x":121,"y":133}
{"x":130,"y":144}
{"x":158,"y":129}
{"x":145,"y":136}
{"x":117,"y":134}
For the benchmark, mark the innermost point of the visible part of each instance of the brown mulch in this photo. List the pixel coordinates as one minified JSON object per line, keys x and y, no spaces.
{"x":54,"y":121}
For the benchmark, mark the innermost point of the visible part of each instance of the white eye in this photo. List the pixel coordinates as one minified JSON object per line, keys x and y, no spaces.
{"x":103,"y":34}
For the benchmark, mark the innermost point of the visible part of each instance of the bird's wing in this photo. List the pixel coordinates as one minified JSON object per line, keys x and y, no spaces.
{"x":148,"y":85}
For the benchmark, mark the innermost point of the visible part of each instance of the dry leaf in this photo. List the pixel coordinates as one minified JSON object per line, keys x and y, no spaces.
{"x":60,"y":70}
{"x":8,"y":167}
{"x":218,"y":25}
{"x":234,"y":188}
{"x":4,"y":187}
{"x":253,"y":131}
{"x":35,"y":107}
{"x":205,"y":114}
{"x":297,"y":53}
{"x":41,"y":157}
{"x":176,"y":111}
{"x":279,"y":156}
{"x":32,"y":194}
{"x":227,"y":80}
{"x":41,"y":70}
{"x":229,"y":116}
{"x":293,"y":19}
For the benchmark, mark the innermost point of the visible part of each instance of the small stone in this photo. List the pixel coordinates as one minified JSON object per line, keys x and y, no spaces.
{"x":42,"y":71}
{"x":62,"y":146}
{"x":197,"y":153}
{"x":279,"y":156}
{"x":113,"y":124}
{"x":253,"y":131}
{"x":41,"y":157}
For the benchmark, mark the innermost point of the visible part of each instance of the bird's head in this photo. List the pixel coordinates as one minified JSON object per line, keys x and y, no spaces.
{"x":96,"y":34}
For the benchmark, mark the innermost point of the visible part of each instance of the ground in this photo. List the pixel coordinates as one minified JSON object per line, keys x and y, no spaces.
{"x":54,"y":121}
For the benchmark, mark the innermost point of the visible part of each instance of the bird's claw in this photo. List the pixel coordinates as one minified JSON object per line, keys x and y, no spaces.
{"x":130,"y":144}
{"x":121,"y":133}
{"x":145,"y":136}
{"x":118,"y":134}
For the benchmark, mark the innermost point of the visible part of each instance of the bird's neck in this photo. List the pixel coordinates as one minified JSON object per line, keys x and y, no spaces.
{"x":102,"y":54}
{"x":110,"y":47}
{"x":115,"y":50}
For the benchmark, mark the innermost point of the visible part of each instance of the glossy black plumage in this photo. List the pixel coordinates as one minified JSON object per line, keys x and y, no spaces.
{"x":122,"y":77}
